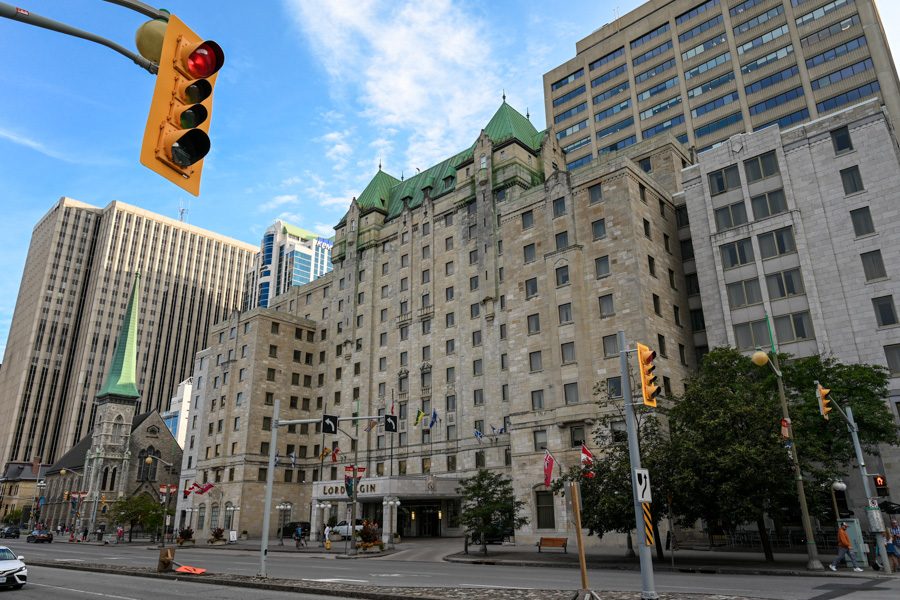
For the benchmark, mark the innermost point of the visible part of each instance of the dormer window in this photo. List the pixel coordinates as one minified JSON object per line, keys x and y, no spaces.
{"x":483,"y":161}
{"x":448,"y":181}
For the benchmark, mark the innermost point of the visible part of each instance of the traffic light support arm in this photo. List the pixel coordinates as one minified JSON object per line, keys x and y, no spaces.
{"x":144,"y":9}
{"x":9,"y":11}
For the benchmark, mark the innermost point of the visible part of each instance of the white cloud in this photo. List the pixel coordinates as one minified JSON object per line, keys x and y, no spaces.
{"x":39,"y":147}
{"x":290,"y":181}
{"x":338,"y":150}
{"x":278,"y":201}
{"x":324,"y":229}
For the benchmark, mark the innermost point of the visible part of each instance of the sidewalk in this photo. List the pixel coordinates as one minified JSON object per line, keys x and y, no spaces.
{"x":688,"y":561}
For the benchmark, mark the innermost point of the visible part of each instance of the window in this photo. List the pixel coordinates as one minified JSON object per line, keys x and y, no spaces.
{"x":543,"y":507}
{"x":534,"y":323}
{"x":698,"y":323}
{"x":610,"y":345}
{"x":540,"y":439}
{"x":731,"y":216}
{"x":448,"y":243}
{"x":873,"y":266}
{"x":692,"y":283}
{"x":531,"y":288}
{"x":661,"y":344}
{"x":562,"y":275}
{"x":450,"y":346}
{"x":657,"y":305}
{"x":750,"y":335}
{"x":792,"y":328}
{"x":892,"y":354}
{"x":559,"y":207}
{"x":576,"y":436}
{"x":527,"y":219}
{"x":885,"y":311}
{"x":570,"y":393}
{"x":476,"y":337}
{"x":473,"y":283}
{"x":595,"y":193}
{"x":567,"y":350}
{"x":840,"y":139}
{"x":537,"y":399}
{"x":614,"y":387}
{"x":736,"y":253}
{"x":744,"y":293}
{"x":562,"y":240}
{"x":647,"y":229}
{"x":651,"y":265}
{"x":776,"y":243}
{"x":862,"y":221}
{"x":477,"y":367}
{"x":426,"y":276}
{"x":723,"y":180}
{"x":528,"y":253}
{"x":760,"y":167}
{"x":766,"y":205}
{"x":565,"y":313}
{"x":607,"y":309}
{"x":478,"y":397}
{"x":784,"y":284}
{"x":473,"y":257}
{"x":450,"y":320}
{"x":601,"y":266}
{"x":852,"y":180}
{"x":598,"y":228}
{"x":535,"y":361}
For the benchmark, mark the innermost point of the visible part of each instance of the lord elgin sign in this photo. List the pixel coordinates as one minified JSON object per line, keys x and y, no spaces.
{"x":341,"y":490}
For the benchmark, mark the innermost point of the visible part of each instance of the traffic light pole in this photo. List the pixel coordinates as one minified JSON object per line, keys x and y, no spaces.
{"x":648,"y":587}
{"x":873,"y":513}
{"x":9,"y":11}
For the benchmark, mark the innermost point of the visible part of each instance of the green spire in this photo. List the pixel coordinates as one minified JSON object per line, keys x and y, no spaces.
{"x":120,"y":381}
{"x":508,"y":123}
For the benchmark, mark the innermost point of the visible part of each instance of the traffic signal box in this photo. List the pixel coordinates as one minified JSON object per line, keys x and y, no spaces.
{"x":649,"y":387}
{"x":881,"y":488}
{"x":824,"y":401}
{"x":176,"y":138}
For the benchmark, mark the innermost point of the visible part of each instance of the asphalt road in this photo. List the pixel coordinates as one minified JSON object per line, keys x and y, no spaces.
{"x":65,"y":584}
{"x":421,"y":565}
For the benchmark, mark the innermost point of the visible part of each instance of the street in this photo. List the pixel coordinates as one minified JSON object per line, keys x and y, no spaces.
{"x":421,"y":565}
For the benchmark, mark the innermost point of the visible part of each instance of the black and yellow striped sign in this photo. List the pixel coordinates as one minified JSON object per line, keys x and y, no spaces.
{"x":648,"y":524}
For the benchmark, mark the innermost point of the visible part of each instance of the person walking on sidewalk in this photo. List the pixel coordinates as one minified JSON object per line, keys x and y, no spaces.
{"x":844,"y":550}
{"x":893,"y":545}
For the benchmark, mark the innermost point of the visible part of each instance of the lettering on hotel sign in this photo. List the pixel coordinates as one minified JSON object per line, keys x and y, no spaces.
{"x":340,"y":490}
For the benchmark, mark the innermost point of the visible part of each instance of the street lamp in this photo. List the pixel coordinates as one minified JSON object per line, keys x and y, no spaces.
{"x":38,"y":493}
{"x":229,"y":510}
{"x":282,"y":508}
{"x":165,"y":502}
{"x":760,"y":359}
{"x":324,"y":507}
{"x":73,"y":510}
{"x":391,"y":504}
{"x":837,"y":486}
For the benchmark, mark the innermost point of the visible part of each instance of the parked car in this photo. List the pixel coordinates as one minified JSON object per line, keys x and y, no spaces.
{"x":495,"y":535}
{"x":13,"y":572}
{"x":9,"y":532}
{"x":343,"y":528}
{"x":289,"y":529}
{"x":39,"y":535}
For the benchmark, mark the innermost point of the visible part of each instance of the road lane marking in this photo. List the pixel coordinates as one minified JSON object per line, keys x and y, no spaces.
{"x":338,"y":580}
{"x":56,"y":587}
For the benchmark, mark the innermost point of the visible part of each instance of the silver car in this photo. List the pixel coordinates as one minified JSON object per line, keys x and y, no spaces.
{"x":13,"y":572}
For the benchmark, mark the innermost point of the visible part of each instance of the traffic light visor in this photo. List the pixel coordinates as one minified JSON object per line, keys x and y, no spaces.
{"x":645,"y":354}
{"x":189,"y":148}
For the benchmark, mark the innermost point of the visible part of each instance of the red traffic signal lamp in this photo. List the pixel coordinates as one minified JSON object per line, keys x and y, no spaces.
{"x":881,"y":488}
{"x":824,"y":400}
{"x":649,"y":386}
{"x":176,"y":138}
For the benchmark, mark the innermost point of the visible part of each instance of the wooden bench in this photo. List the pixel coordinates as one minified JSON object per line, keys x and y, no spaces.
{"x":553,"y":542}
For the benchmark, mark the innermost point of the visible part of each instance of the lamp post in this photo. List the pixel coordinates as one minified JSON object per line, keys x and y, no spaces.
{"x":837,"y":486}
{"x":281,"y":508}
{"x":230,"y":512}
{"x":190,"y":510}
{"x":759,"y":359}
{"x":38,"y":493}
{"x":390,"y":504}
{"x":324,"y":507}
{"x":73,"y":510}
{"x":164,"y":502}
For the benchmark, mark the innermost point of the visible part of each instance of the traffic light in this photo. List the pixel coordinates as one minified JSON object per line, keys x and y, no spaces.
{"x":881,"y":488}
{"x":390,"y":423}
{"x":177,"y":134}
{"x":102,"y":498}
{"x":824,"y":400}
{"x":66,"y":496}
{"x":649,"y":388}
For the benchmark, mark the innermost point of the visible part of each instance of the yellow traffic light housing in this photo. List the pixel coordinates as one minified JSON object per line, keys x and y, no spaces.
{"x":176,"y":138}
{"x":66,"y":496}
{"x":649,"y":387}
{"x":824,"y":400}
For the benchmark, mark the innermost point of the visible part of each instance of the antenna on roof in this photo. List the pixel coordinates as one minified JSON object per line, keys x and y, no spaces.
{"x":182,"y":210}
{"x":401,"y":175}
{"x":379,"y":164}
{"x":418,"y":170}
{"x":504,"y":95}
{"x":527,"y":114}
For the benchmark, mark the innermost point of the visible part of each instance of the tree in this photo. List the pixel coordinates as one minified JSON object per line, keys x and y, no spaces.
{"x":14,"y":516}
{"x":489,"y":506}
{"x":143,"y":510}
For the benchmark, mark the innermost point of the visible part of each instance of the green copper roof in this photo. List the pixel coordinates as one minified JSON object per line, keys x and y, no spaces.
{"x":508,"y":123}
{"x":377,"y":193}
{"x":297,"y":232}
{"x":120,"y":381}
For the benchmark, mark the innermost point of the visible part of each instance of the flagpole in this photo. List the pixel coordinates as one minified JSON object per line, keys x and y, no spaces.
{"x":576,"y":509}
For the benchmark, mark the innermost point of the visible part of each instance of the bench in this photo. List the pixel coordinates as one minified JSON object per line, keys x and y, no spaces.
{"x":552,"y":542}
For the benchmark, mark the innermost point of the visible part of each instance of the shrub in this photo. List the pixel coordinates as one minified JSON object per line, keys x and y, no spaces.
{"x":218,"y":533}
{"x":369,"y":532}
{"x":186,"y":534}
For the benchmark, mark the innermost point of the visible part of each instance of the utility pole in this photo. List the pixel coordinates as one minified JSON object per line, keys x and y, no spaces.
{"x":648,"y":587}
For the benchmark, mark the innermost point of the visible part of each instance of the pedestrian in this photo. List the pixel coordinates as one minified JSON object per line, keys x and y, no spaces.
{"x":326,"y":540}
{"x":120,"y":534}
{"x":298,"y":537}
{"x":893,"y":545}
{"x":58,"y":529}
{"x":84,"y":535}
{"x":844,"y":550}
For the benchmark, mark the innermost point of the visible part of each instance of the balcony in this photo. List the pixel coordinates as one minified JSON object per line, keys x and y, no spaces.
{"x":426,"y":312}
{"x":404,"y":319}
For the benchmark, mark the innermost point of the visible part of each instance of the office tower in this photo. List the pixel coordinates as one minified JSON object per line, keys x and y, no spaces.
{"x":707,"y":70}
{"x":77,"y":277}
{"x":288,"y":256}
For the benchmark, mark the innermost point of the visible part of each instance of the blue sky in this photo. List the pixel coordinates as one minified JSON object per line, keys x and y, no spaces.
{"x":312,"y":96}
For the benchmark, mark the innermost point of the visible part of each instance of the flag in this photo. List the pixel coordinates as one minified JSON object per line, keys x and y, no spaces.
{"x":392,"y":403}
{"x":277,"y":458}
{"x":502,"y":429}
{"x":420,"y":414}
{"x":371,"y":425}
{"x":334,"y":454}
{"x":549,"y":463}
{"x":205,"y":488}
{"x":493,"y":430}
{"x":325,"y":452}
{"x":479,"y":436}
{"x":587,"y":462}
{"x":434,"y":418}
{"x":293,"y":458}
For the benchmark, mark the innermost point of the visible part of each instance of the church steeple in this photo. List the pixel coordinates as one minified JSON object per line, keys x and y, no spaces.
{"x":121,"y":378}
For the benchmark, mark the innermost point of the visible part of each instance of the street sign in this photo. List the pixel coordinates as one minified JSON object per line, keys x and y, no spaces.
{"x":642,"y":485}
{"x":329,"y":424}
{"x":873,"y":502}
{"x":391,"y":423}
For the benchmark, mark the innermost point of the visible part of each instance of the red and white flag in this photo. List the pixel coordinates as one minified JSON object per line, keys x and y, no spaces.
{"x":549,"y":463}
{"x":204,"y":488}
{"x":587,"y":462}
{"x":334,"y":454}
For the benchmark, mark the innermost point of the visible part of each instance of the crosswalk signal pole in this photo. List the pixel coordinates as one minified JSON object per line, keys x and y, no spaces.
{"x":648,"y":587}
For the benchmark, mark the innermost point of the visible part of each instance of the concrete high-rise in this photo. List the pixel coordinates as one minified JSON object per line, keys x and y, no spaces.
{"x":72,"y":299}
{"x":706,"y":70}
{"x":288,"y":256}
